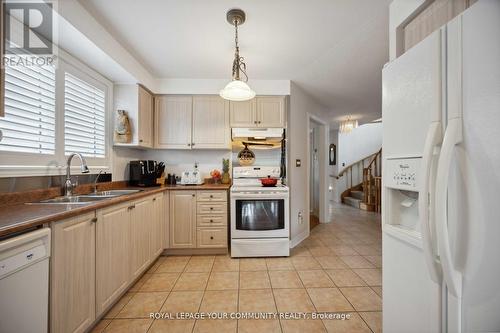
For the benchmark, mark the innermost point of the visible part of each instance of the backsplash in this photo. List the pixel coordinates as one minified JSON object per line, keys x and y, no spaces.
{"x":21,"y":184}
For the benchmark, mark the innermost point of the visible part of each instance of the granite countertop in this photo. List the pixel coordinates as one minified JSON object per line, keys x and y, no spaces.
{"x":22,"y":216}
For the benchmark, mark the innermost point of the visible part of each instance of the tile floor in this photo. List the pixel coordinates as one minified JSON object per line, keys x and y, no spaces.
{"x":337,"y":269}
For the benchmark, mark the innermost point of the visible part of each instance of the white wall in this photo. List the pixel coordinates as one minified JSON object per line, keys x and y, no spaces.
{"x":361,"y":142}
{"x":300,"y":105}
{"x":400,"y":11}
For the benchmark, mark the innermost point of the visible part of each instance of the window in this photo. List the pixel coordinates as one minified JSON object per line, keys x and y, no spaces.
{"x":84,"y":118}
{"x":29,"y":125}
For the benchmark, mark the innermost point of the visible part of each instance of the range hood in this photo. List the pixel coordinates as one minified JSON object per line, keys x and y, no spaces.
{"x":256,"y":134}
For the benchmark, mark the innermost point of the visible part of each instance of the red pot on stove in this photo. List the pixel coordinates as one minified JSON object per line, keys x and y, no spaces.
{"x":269,"y":181}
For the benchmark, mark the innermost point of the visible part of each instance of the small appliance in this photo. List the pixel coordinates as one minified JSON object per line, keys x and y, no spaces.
{"x":191,"y":177}
{"x":143,"y":173}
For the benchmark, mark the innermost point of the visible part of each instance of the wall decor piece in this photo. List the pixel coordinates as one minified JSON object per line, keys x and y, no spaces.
{"x":123,"y":133}
{"x":332,"y":153}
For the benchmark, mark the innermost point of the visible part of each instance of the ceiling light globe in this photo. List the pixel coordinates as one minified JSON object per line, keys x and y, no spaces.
{"x":238,"y":91}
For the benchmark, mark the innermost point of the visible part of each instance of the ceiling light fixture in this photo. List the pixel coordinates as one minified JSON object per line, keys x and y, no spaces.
{"x":346,"y":126}
{"x":237,"y":89}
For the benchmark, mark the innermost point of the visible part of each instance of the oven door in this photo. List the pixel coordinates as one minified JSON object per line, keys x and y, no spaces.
{"x":259,"y":216}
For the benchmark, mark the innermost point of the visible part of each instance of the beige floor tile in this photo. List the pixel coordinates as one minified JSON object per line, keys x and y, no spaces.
{"x":343,"y":250}
{"x":377,"y":290}
{"x":200,"y":264}
{"x":220,"y":301}
{"x":312,"y":241}
{"x":256,"y":301}
{"x":192,"y":281}
{"x":183,"y":301}
{"x":285,"y":279}
{"x":315,"y":279}
{"x":375,"y":260}
{"x":321,"y":251}
{"x":293,"y":300}
{"x":279,"y":264}
{"x":226,"y":264}
{"x":101,"y":325}
{"x":356,"y":262}
{"x":305,"y":263}
{"x":119,"y":305}
{"x":329,"y":300}
{"x":140,"y":282}
{"x":170,"y":266}
{"x":345,"y":278}
{"x":155,"y":266}
{"x":302,"y":326}
{"x":354,"y":324}
{"x":374,"y":320}
{"x":331,"y":262}
{"x":160,"y":282}
{"x":253,"y":264}
{"x":142,"y":304}
{"x":223,"y":280}
{"x":259,"y":326}
{"x":363,"y":298}
{"x":215,"y":326}
{"x":172,"y":326}
{"x":254,"y":280}
{"x":372,"y":277}
{"x":129,"y":326}
{"x":300,"y":251}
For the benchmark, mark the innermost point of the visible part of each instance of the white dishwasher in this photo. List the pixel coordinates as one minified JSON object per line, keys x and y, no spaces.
{"x":24,"y":282}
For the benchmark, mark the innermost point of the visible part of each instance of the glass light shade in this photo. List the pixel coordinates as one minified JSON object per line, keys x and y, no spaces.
{"x":237,"y":90}
{"x":348,"y":125}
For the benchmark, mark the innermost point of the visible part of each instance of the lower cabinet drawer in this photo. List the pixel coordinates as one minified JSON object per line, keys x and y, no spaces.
{"x":211,"y":208}
{"x":212,"y":237}
{"x":212,"y":196}
{"x":212,"y":221}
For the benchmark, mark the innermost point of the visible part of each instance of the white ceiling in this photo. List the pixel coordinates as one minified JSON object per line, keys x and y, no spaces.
{"x":334,"y":49}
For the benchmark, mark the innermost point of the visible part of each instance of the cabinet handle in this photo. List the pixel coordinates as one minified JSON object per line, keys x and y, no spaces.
{"x":193,"y":195}
{"x":192,"y":144}
{"x":189,"y":145}
{"x":154,"y":199}
{"x":259,"y":121}
{"x":93,"y":220}
{"x":131,"y":207}
{"x":211,"y":221}
{"x":211,"y":237}
{"x":141,"y":140}
{"x":211,"y":208}
{"x":211,"y":196}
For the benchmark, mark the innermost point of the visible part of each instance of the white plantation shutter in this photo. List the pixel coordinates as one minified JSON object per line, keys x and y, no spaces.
{"x":29,"y":122}
{"x":84,"y":118}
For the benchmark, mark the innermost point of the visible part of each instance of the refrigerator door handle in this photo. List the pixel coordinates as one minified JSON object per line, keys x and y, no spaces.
{"x":432,"y":140}
{"x":452,"y":137}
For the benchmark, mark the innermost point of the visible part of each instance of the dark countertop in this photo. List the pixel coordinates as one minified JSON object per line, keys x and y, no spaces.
{"x":22,"y":216}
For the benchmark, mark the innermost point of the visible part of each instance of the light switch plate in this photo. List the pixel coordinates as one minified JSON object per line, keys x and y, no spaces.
{"x":298,"y":163}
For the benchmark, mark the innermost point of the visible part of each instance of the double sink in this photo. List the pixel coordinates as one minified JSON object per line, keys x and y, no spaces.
{"x":87,"y":198}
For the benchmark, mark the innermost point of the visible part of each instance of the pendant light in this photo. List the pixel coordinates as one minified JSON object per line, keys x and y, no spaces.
{"x":237,"y":89}
{"x":346,"y":126}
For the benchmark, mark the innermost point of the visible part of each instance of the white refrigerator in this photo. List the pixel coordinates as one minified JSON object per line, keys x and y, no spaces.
{"x":441,"y":179}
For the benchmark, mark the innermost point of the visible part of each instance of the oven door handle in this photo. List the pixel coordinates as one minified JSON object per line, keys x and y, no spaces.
{"x":257,"y":196}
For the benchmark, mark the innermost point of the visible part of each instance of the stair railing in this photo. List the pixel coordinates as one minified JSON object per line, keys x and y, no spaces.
{"x":372,"y":184}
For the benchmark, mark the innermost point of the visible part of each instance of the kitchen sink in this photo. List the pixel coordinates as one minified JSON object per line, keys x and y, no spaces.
{"x":110,"y":193}
{"x":86,"y":198}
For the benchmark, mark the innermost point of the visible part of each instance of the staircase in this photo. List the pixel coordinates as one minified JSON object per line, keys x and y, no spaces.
{"x":367,"y":194}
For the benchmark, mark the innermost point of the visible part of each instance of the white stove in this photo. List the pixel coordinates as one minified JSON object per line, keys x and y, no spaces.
{"x":260,"y":223}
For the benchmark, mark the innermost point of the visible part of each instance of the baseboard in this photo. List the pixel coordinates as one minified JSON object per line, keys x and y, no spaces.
{"x":299,"y":238}
{"x":194,"y":252}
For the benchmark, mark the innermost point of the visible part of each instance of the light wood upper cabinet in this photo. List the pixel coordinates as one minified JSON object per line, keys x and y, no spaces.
{"x":243,"y":114}
{"x":72,"y":298}
{"x":210,"y":122}
{"x":112,"y":254}
{"x":141,"y":221}
{"x":157,"y":227}
{"x":262,"y":111}
{"x":145,"y":118}
{"x":138,"y":102}
{"x":271,"y":111}
{"x":182,"y":219}
{"x":173,"y":118}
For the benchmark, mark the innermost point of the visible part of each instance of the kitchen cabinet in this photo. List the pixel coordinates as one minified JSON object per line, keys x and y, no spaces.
{"x":158,"y":226}
{"x":112,"y":254}
{"x":211,"y":220}
{"x":138,"y":102}
{"x":141,"y":225}
{"x":182,"y":219}
{"x":262,"y":111}
{"x":72,"y":274}
{"x":173,"y":122}
{"x":210,"y":123}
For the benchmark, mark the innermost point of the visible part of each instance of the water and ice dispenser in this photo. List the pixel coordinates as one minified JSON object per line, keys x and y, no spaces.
{"x":401,"y":194}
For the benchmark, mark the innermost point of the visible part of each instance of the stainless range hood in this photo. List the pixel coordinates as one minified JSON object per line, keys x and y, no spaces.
{"x":257,"y":134}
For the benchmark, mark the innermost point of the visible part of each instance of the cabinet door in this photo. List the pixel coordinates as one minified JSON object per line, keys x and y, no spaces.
{"x":112,"y":254}
{"x":141,"y":221}
{"x":173,"y":122}
{"x":211,"y":122}
{"x":166,"y":220}
{"x":271,"y":111}
{"x":157,"y":230}
{"x":243,"y":114}
{"x":145,"y":118}
{"x":182,"y":219}
{"x":72,"y":298}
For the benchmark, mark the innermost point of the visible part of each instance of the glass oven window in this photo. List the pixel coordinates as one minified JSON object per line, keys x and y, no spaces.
{"x":262,"y":214}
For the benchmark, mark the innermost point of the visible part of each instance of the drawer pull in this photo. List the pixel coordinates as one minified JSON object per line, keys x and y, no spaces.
{"x":131,"y":207}
{"x":211,"y":208}
{"x":193,"y":195}
{"x":211,"y":221}
{"x":211,"y":237}
{"x":211,"y":196}
{"x":93,"y":220}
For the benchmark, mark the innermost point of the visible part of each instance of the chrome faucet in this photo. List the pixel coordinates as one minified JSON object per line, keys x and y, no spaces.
{"x":96,"y":179}
{"x":68,"y":186}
